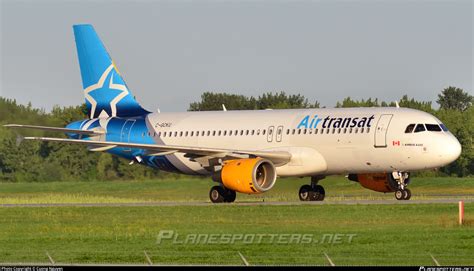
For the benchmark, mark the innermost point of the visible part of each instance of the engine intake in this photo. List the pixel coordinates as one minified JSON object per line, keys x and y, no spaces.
{"x":250,"y":176}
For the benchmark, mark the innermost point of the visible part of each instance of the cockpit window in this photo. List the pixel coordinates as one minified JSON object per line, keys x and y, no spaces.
{"x":443,"y":127}
{"x":433,"y":127}
{"x":420,"y":128}
{"x":409,"y":128}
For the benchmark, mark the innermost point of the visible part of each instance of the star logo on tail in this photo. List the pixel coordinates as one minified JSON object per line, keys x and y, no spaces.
{"x":105,"y":89}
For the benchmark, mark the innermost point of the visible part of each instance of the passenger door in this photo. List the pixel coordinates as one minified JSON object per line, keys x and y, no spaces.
{"x":381,"y":131}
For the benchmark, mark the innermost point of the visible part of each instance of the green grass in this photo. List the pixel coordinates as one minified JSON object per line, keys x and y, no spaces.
{"x":385,"y":234}
{"x":195,"y":189}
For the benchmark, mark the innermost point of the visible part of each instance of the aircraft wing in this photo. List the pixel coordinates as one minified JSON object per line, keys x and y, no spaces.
{"x":56,"y":129}
{"x":277,"y":157}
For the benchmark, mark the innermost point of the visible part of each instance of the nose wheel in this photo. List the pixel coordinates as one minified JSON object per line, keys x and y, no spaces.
{"x":219,"y":194}
{"x":402,"y":179}
{"x":403,"y":194}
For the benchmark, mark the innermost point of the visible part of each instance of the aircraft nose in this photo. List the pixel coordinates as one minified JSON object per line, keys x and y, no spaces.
{"x":451,"y":149}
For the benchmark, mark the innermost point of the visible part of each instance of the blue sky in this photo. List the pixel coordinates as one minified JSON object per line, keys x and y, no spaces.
{"x":169,"y":52}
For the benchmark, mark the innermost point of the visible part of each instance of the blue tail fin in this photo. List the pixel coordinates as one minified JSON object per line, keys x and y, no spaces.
{"x":106,"y":93}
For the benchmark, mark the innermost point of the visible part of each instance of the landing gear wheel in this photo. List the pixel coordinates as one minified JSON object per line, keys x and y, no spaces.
{"x":217,"y":194}
{"x":308,"y":193}
{"x":318,"y":193}
{"x":230,"y":195}
{"x":406,"y":194}
{"x":400,"y":194}
{"x":305,"y":193}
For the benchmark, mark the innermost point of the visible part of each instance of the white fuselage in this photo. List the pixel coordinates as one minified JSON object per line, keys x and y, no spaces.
{"x":321,"y":141}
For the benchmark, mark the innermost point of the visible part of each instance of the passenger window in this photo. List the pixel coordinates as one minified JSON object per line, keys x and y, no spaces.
{"x":327,"y":130}
{"x":299,"y":131}
{"x":361,"y":130}
{"x":287,"y":131}
{"x":315,"y":131}
{"x":258,"y":132}
{"x":247,"y":132}
{"x":368,"y":130}
{"x":293,"y":132}
{"x":433,"y":127}
{"x":253,"y":132}
{"x":305,"y":130}
{"x":419,"y":128}
{"x":409,"y":128}
{"x":192,"y":133}
{"x":263,"y":132}
{"x":310,"y":131}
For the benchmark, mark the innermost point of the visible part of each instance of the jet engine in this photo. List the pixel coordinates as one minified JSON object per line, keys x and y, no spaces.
{"x":250,"y":175}
{"x":380,"y":182}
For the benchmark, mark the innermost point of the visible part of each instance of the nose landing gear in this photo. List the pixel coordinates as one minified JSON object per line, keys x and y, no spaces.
{"x":402,"y":178}
{"x":313,"y":192}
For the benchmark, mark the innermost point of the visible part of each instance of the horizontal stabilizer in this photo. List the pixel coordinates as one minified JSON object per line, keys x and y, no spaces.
{"x":55,"y":129}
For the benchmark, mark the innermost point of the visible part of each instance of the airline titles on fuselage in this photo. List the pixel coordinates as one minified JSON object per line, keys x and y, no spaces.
{"x":329,"y":122}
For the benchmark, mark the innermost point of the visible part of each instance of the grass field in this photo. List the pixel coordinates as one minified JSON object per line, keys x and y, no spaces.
{"x":194,"y":189}
{"x":384,"y":234}
{"x":390,"y":234}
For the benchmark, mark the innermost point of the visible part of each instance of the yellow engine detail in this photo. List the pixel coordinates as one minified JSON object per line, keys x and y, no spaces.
{"x":380,"y":182}
{"x":250,"y":176}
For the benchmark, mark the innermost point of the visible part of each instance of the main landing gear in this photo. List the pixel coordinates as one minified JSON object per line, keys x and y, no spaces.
{"x":220,"y":194}
{"x":313,"y":192}
{"x":402,"y":178}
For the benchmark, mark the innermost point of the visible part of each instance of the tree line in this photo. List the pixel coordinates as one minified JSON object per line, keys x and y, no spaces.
{"x":43,"y":161}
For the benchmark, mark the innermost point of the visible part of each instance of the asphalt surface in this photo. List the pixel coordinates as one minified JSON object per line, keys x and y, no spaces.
{"x":246,"y":203}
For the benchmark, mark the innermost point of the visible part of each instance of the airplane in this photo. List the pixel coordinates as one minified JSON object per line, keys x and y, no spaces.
{"x":246,"y":150}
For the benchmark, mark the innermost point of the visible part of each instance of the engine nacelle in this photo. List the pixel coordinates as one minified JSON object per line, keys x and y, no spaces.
{"x":250,"y":176}
{"x":380,"y":182}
